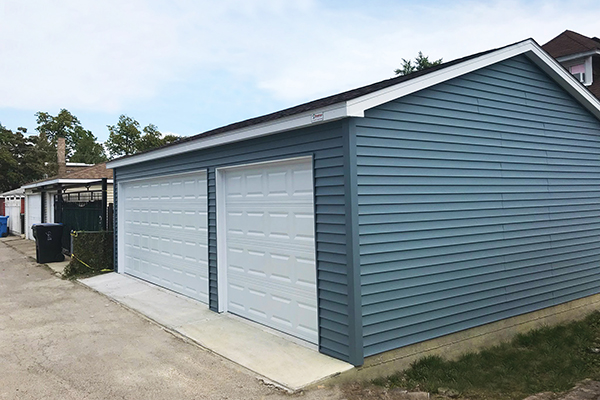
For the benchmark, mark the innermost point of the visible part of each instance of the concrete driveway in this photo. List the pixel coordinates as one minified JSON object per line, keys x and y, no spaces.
{"x":60,"y":340}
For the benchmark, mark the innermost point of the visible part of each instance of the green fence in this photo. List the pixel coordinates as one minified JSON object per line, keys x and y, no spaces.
{"x":84,"y":216}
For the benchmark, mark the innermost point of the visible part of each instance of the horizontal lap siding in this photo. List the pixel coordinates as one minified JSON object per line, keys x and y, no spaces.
{"x":479,"y":199}
{"x":325,"y":144}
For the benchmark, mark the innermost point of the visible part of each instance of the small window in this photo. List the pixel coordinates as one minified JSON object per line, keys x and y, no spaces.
{"x":578,"y":72}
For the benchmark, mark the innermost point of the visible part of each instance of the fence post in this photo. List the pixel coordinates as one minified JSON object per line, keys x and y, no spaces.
{"x":58,"y":203}
{"x":104,"y":225}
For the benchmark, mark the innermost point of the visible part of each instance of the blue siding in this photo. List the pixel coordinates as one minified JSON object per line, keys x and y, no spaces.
{"x":478,"y":200}
{"x":326,"y":144}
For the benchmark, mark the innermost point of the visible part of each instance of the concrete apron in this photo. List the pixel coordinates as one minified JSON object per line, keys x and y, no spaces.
{"x":272,"y":356}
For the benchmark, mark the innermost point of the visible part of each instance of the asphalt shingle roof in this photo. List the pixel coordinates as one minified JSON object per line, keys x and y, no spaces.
{"x":570,"y":42}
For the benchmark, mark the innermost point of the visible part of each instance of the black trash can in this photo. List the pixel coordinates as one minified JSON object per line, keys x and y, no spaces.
{"x":48,"y":242}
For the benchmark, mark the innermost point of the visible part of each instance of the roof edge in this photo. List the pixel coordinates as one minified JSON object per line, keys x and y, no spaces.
{"x":575,"y":56}
{"x":63,"y":180}
{"x":312,"y":117}
{"x":356,"y":107}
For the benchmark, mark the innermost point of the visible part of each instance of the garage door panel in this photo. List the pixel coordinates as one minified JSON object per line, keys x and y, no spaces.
{"x":166,"y":232}
{"x":34,"y":211}
{"x":270,"y":247}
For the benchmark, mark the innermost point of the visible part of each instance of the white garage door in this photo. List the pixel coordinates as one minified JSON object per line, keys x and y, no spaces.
{"x":13,"y":210}
{"x":270,"y":245}
{"x":165,"y":232}
{"x":34,"y":212}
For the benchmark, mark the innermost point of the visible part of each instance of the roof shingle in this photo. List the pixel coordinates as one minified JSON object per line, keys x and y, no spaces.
{"x":570,"y":42}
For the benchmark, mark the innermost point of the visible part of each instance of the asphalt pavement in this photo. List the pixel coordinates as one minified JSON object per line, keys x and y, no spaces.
{"x":61,"y":340}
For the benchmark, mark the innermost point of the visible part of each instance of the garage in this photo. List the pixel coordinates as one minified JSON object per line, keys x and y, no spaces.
{"x":164,"y":232}
{"x":268,"y":256}
{"x":34,"y":212}
{"x":401,"y":212}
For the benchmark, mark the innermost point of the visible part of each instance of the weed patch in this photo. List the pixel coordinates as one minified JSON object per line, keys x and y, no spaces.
{"x":546,"y":359}
{"x":92,"y":254}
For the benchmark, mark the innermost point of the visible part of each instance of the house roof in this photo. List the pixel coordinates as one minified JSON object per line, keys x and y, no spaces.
{"x":569,"y":42}
{"x":97,"y":171}
{"x":85,"y":175}
{"x":15,"y":192}
{"x":354,"y":103}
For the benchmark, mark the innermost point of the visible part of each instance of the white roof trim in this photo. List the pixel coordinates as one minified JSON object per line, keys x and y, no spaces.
{"x":357,"y":107}
{"x":330,"y":113}
{"x":61,"y":181}
{"x":577,"y":55}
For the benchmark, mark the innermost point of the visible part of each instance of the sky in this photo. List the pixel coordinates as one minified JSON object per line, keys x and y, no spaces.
{"x":189,"y":66}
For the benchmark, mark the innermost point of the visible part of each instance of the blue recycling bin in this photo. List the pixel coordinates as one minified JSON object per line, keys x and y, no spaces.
{"x":3,"y":225}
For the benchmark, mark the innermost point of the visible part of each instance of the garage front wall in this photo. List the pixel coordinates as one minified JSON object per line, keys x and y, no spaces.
{"x":479,"y":200}
{"x":326,"y":145}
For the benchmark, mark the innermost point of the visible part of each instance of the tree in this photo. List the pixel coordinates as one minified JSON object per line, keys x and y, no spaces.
{"x":89,"y":151}
{"x":9,"y":165}
{"x":126,"y":138}
{"x":40,"y":159}
{"x":24,"y":158}
{"x":421,"y":62}
{"x":66,"y":125}
{"x":151,"y":139}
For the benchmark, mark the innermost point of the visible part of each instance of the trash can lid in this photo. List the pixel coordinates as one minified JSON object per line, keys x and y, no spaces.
{"x":47,"y":224}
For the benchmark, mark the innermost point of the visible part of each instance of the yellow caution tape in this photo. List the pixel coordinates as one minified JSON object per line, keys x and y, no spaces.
{"x":102,"y":270}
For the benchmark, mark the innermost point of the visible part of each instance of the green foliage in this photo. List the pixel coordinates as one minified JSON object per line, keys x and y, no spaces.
{"x":546,"y":359}
{"x":9,"y":165}
{"x":88,"y":151}
{"x":24,"y":158}
{"x":126,"y":138}
{"x":421,"y":62}
{"x":81,"y":144}
{"x":92,"y":254}
{"x":151,"y":139}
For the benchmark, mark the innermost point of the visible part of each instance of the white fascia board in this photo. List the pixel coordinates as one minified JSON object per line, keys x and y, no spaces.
{"x":62,"y":181}
{"x":564,"y":79}
{"x":357,"y":107}
{"x":528,"y":48}
{"x":578,"y":55}
{"x":330,"y":113}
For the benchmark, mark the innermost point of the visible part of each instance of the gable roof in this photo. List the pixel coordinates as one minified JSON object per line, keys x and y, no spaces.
{"x":571,"y":45}
{"x":569,"y":42}
{"x":354,"y":103}
{"x":85,"y":175}
{"x":19,"y":192}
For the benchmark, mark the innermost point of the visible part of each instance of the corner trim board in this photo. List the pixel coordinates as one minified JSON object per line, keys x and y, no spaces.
{"x":356,"y":348}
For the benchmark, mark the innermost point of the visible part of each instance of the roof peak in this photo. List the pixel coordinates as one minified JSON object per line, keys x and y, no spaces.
{"x":570,"y":42}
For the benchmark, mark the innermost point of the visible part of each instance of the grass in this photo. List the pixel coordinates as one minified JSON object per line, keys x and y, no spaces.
{"x":547,"y":359}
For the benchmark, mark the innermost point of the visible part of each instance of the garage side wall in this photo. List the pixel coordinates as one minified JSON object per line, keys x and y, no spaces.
{"x":325,"y":143}
{"x":479,"y":200}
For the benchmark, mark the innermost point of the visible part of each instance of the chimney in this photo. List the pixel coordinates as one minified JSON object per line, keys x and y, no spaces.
{"x":61,"y":153}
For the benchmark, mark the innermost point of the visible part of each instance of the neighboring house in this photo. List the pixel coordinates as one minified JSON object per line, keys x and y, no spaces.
{"x":14,"y":206}
{"x":76,"y":183}
{"x":580,"y":55}
{"x":388,"y":215}
{"x":83,"y":186}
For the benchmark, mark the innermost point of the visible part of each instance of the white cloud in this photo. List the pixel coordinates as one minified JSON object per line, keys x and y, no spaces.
{"x":105,"y":55}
